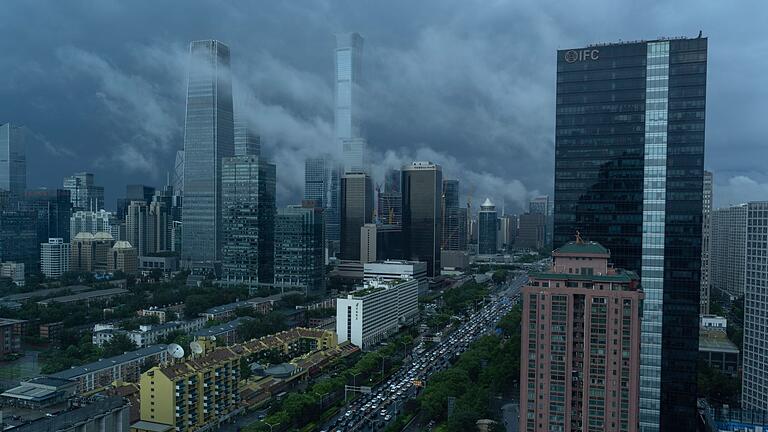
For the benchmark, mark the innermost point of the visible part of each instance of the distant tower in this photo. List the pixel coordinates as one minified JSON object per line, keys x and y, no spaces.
{"x":422,"y":186}
{"x":13,"y":160}
{"x":208,"y":137}
{"x":247,"y":142}
{"x":706,"y":235}
{"x":488,"y":220}
{"x":348,"y":61}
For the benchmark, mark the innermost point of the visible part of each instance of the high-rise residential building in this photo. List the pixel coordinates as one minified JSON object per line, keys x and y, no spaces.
{"x":90,"y":222}
{"x":629,"y":166}
{"x":247,"y":142}
{"x":84,"y":193}
{"x":580,"y":368}
{"x":18,"y":238}
{"x":706,"y":237}
{"x":54,"y":257}
{"x":13,"y":160}
{"x":248,"y":190}
{"x":54,"y":210}
{"x":728,"y":250}
{"x":422,"y":186}
{"x":356,"y":211}
{"x":348,"y":60}
{"x":208,"y":138}
{"x":754,"y":393}
{"x":531,"y":231}
{"x":454,"y":218}
{"x":178,"y":173}
{"x":140,"y":228}
{"x":488,"y":223}
{"x":300,"y":249}
{"x":134,"y":192}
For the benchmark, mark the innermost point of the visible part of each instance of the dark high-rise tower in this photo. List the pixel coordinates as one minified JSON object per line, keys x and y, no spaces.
{"x":454,"y":218}
{"x":628,"y":174}
{"x":488,"y":222}
{"x":208,"y":137}
{"x":356,"y":211}
{"x":422,"y":185}
{"x":13,"y":161}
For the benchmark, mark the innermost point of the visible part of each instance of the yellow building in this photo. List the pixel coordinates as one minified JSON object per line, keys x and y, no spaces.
{"x":204,"y":390}
{"x":192,"y":393}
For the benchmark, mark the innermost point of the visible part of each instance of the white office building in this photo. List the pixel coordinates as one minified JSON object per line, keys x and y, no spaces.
{"x":393,"y":270}
{"x":14,"y":271}
{"x":369,"y":315}
{"x":54,"y":257}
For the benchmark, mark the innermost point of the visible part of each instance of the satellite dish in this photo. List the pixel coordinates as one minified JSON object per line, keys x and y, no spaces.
{"x":196,"y":347}
{"x":175,"y":351}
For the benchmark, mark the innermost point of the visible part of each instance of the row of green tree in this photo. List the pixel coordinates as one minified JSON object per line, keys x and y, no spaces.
{"x":490,"y":368}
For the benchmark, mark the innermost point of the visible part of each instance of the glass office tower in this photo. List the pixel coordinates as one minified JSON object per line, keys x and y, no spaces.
{"x":348,"y":61}
{"x":453,"y":232}
{"x":208,"y":137}
{"x":248,"y":219}
{"x":628,"y":174}
{"x":13,"y":161}
{"x":487,"y":231}
{"x":247,"y":142}
{"x":422,"y":185}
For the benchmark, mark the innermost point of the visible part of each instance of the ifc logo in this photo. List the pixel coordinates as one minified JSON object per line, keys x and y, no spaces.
{"x":571,"y":56}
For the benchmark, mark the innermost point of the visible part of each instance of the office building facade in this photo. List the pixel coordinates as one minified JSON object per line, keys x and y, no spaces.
{"x":247,"y":142}
{"x":18,"y":238}
{"x":322,"y":184}
{"x":248,"y":189}
{"x":54,"y":210}
{"x":90,"y":222}
{"x":488,"y":223}
{"x":208,"y":138}
{"x":300,"y":249}
{"x":13,"y":161}
{"x":728,"y":249}
{"x":348,"y":58}
{"x":580,"y":359}
{"x":454,"y":218}
{"x":754,"y":393}
{"x":356,"y":211}
{"x":629,"y":167}
{"x":706,"y":245}
{"x":421,"y":185}
{"x":380,"y":242}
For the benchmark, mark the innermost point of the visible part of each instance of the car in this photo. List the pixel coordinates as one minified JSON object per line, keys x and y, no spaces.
{"x":387,"y":417}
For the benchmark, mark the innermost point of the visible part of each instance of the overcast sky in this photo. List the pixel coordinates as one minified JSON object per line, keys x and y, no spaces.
{"x":469,"y":84}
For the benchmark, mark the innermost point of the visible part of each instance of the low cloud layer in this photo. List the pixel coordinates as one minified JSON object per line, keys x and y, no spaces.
{"x":468,"y":84}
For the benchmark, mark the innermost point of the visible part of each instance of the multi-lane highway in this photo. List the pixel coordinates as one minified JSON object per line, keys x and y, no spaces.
{"x":374,"y":411}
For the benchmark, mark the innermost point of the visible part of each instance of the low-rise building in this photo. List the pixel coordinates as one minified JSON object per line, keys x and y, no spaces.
{"x":126,"y":367}
{"x":392,"y":270}
{"x":164,"y":263}
{"x":51,"y":331}
{"x":228,"y":311}
{"x":224,"y":333}
{"x":39,"y":392}
{"x":10,"y":337}
{"x":161,"y":314}
{"x":14,"y":271}
{"x":717,"y":351}
{"x":712,"y":321}
{"x":146,"y":335}
{"x":367,"y":316}
{"x":107,"y":414}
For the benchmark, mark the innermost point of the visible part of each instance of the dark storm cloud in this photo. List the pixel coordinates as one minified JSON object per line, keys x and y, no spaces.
{"x":466,"y":83}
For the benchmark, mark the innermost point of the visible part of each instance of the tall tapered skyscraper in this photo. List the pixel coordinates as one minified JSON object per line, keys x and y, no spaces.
{"x":208,"y":137}
{"x":629,"y":175}
{"x":13,"y":160}
{"x":348,"y":61}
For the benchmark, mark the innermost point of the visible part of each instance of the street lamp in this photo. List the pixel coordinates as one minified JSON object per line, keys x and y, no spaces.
{"x":270,"y":425}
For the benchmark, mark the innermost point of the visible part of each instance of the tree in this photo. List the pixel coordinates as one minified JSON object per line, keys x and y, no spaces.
{"x":119,"y":344}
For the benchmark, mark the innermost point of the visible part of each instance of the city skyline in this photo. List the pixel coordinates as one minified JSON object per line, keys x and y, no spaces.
{"x":290,"y":96}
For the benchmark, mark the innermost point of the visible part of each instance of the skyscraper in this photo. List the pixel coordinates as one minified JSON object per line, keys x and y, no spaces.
{"x":322,"y":185}
{"x":488,"y":220}
{"x":629,"y":167}
{"x":248,"y":188}
{"x":178,"y":173}
{"x":422,"y":186}
{"x":299,"y":249}
{"x":13,"y":160}
{"x":706,"y":236}
{"x":390,"y":200}
{"x":208,"y":137}
{"x":54,"y":210}
{"x":754,"y":393}
{"x":247,"y":142}
{"x":54,"y":257}
{"x":348,"y":60}
{"x":454,"y":225}
{"x":356,"y":211}
{"x":134,"y":192}
{"x":580,"y":344}
{"x":18,"y":238}
{"x":83,"y":192}
{"x":140,"y":228}
{"x":542,"y":205}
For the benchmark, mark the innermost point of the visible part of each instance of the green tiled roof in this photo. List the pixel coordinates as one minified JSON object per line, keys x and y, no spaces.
{"x":583,"y":247}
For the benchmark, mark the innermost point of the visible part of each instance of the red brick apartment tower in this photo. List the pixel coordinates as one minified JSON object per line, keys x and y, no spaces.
{"x":580,"y":365}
